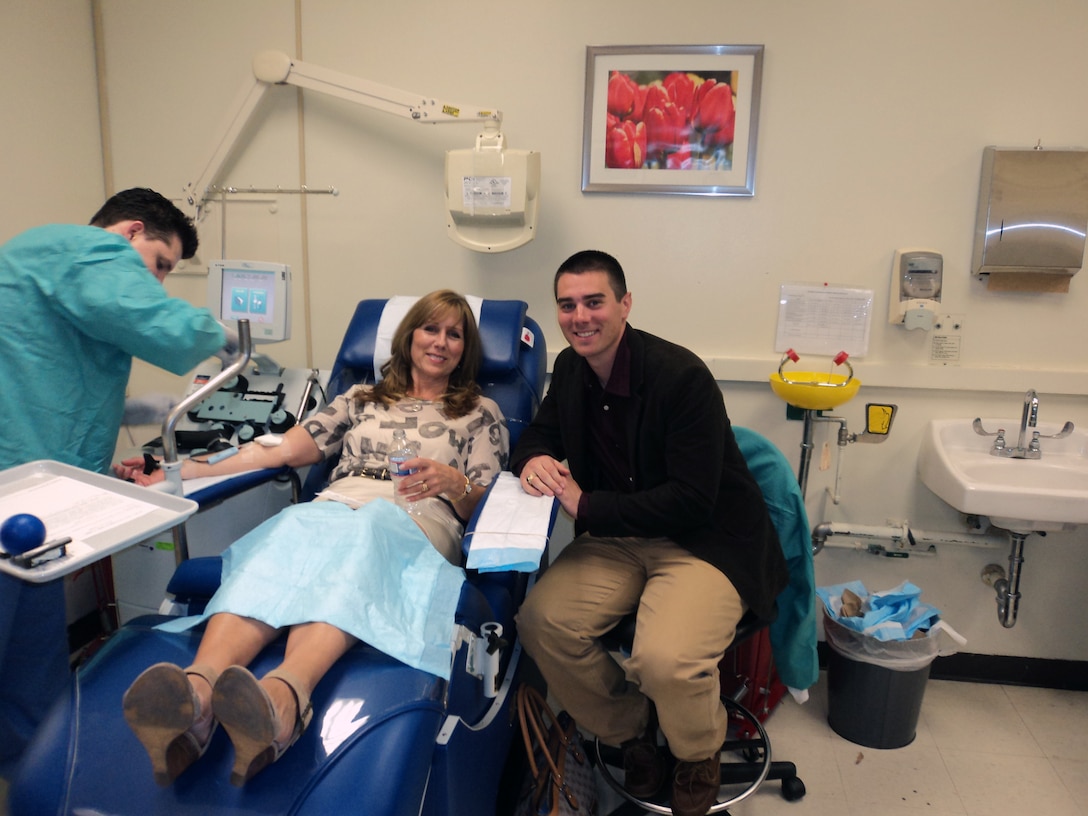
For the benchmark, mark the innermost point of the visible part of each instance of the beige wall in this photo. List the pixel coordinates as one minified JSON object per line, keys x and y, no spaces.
{"x":51,"y":169}
{"x":874,"y":117}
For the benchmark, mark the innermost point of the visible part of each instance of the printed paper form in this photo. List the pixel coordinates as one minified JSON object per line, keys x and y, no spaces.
{"x":69,"y":507}
{"x":820,"y":319}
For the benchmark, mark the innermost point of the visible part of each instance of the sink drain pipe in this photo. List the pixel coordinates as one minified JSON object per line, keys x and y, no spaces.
{"x":1007,"y":587}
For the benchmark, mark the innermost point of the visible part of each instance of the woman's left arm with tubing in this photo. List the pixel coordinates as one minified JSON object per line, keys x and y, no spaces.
{"x":297,"y":449}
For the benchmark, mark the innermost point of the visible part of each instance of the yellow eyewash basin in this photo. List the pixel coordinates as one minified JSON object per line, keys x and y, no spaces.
{"x":815,"y":391}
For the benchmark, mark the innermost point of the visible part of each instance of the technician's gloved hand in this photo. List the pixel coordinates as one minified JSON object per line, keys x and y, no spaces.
{"x":230,"y":349}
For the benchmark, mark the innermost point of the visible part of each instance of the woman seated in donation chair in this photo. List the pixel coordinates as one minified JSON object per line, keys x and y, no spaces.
{"x":310,"y":569}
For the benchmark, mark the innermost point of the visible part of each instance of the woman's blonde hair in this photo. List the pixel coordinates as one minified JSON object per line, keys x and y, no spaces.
{"x":463,"y":392}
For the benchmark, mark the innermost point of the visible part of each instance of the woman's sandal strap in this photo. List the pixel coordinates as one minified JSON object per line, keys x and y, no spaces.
{"x":205,"y":672}
{"x":304,"y":708}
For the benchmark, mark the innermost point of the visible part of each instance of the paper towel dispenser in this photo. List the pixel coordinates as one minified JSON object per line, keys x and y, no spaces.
{"x":1032,"y":212}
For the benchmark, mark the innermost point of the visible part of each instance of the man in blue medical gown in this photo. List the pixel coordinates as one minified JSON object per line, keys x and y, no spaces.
{"x":76,"y":304}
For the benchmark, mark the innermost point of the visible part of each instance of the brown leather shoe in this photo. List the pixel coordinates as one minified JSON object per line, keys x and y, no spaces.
{"x":643,"y":766}
{"x":695,"y":786}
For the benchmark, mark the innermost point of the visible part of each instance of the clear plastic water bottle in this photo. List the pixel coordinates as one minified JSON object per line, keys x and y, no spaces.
{"x":400,"y":452}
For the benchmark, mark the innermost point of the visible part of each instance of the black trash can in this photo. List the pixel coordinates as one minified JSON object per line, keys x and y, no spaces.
{"x":875,"y":688}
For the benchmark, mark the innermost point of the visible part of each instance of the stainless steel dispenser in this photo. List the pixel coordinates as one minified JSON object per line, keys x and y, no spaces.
{"x":1032,"y":216}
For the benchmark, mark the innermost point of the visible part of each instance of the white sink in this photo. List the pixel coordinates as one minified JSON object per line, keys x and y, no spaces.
{"x":1023,"y":495}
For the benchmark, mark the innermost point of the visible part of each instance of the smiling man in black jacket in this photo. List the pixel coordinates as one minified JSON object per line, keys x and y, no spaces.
{"x":634,"y":441}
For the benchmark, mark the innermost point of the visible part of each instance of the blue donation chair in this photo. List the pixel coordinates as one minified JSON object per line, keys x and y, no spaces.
{"x":386,"y":739}
{"x":792,"y":639}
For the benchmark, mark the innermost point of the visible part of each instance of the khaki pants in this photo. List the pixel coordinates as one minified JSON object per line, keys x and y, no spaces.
{"x":687,"y":616}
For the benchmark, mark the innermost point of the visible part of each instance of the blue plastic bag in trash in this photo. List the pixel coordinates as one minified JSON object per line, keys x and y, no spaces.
{"x":893,"y":630}
{"x":894,"y":614}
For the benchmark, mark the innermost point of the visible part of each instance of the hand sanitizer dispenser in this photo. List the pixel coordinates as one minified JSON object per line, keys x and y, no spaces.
{"x":916,"y":288}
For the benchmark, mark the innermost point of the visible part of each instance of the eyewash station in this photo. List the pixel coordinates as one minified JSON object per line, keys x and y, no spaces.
{"x":815,"y":318}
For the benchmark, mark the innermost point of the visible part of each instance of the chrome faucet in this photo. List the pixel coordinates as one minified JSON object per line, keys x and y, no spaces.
{"x":1025,"y":448}
{"x":1029,"y":419}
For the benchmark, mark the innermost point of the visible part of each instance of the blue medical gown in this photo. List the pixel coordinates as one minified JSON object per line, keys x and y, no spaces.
{"x":76,"y":304}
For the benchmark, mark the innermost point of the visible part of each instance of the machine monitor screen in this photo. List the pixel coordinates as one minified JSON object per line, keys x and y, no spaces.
{"x":252,"y":290}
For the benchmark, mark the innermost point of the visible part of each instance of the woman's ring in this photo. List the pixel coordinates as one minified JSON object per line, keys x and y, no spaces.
{"x":425,"y":488}
{"x":529,"y":479}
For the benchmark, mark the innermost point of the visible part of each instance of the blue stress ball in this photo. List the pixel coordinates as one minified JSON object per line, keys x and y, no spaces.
{"x":22,"y":532}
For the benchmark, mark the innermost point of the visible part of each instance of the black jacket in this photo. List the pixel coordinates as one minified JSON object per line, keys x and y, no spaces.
{"x":691,"y":482}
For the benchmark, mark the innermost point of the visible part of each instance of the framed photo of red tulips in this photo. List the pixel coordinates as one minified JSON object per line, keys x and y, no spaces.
{"x":679,"y":119}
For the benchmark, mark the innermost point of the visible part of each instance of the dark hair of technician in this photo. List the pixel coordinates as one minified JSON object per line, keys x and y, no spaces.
{"x":161,"y":219}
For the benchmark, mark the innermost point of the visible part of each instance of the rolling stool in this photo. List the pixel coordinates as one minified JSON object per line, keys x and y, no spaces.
{"x":757,"y":766}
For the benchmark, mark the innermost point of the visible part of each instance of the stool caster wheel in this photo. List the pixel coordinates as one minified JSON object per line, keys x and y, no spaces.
{"x":792,"y":789}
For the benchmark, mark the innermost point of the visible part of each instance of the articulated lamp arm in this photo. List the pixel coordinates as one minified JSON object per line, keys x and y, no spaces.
{"x":276,"y":68}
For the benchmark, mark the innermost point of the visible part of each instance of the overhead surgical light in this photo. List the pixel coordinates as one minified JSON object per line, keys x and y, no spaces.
{"x":492,"y":192}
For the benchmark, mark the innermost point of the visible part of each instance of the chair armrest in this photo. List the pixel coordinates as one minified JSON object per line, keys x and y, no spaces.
{"x":224,"y":488}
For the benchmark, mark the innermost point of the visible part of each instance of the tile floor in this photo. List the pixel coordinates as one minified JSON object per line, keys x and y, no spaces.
{"x":980,"y":750}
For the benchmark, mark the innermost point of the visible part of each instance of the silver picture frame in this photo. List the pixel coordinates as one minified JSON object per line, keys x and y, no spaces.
{"x":658,"y":119}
